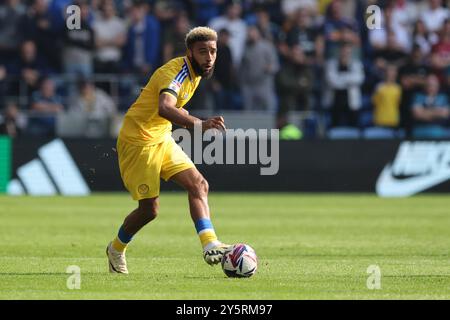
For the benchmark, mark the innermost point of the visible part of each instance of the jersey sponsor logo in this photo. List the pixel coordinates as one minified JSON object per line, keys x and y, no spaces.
{"x":53,"y":171}
{"x":418,"y":166}
{"x":175,"y":86}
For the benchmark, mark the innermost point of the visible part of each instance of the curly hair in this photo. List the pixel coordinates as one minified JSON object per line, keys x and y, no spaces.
{"x":200,"y":34}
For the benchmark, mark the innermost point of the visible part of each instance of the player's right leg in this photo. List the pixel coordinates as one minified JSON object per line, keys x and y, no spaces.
{"x":138,"y":218}
{"x":140,"y":171}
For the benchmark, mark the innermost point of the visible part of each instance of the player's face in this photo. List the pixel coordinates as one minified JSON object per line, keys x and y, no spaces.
{"x":203,"y":56}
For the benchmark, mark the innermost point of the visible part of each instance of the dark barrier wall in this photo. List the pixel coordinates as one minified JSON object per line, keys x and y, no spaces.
{"x":306,"y":166}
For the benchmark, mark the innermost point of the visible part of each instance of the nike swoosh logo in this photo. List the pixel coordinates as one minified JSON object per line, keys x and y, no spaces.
{"x":389,"y":186}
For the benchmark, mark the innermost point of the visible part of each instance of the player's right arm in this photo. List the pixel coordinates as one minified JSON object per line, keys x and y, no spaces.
{"x":168,"y":110}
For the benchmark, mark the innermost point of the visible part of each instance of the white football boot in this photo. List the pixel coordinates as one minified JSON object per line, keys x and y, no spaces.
{"x":214,"y":255}
{"x":117,"y":261}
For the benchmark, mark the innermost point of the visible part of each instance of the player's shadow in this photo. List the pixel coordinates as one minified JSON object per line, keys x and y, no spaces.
{"x":198,"y":277}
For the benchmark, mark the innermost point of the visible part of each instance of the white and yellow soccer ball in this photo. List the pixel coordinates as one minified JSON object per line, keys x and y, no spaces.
{"x":240,"y":262}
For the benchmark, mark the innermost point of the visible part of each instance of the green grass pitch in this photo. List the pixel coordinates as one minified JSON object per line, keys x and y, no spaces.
{"x":309,"y":247}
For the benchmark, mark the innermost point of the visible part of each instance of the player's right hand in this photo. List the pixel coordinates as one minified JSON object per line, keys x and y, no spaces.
{"x":214,"y":123}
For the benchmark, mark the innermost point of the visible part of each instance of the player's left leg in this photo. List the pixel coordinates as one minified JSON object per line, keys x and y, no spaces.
{"x":197,"y":188}
{"x":179,"y":168}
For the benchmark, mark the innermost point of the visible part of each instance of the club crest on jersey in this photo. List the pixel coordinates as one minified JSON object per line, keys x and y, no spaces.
{"x":143,"y":188}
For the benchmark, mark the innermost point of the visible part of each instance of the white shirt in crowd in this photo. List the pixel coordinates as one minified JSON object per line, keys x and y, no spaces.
{"x":290,"y":6}
{"x":434,"y":19}
{"x":108,"y":30}
{"x":238,"y":35}
{"x":400,"y":27}
{"x":99,"y":106}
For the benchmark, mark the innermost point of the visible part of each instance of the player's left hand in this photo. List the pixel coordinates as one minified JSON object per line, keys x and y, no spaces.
{"x":216,"y":123}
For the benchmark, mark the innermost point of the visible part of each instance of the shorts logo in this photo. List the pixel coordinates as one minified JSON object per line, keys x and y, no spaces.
{"x":143,"y":189}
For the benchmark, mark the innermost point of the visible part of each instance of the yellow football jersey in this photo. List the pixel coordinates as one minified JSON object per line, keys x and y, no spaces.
{"x":386,"y":100}
{"x":142,"y":125}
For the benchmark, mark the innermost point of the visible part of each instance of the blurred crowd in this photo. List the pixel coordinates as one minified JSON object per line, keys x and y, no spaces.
{"x":321,"y":57}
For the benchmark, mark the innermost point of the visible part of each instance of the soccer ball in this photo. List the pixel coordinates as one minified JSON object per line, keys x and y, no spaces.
{"x":240,"y":261}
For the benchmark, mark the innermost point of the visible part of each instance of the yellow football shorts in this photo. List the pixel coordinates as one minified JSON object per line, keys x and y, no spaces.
{"x":141,"y":167}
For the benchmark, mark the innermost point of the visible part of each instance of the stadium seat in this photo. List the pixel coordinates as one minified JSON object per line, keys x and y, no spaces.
{"x":343,"y":133}
{"x":310,"y":127}
{"x":401,"y":134}
{"x":379,"y":133}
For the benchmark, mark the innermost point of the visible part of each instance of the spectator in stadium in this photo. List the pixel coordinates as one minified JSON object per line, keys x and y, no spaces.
{"x":323,"y":6}
{"x":3,"y":84}
{"x":440,"y":53}
{"x":79,"y":45}
{"x":11,"y":14}
{"x":393,"y":52}
{"x":37,"y":26}
{"x":386,"y":100}
{"x":12,"y":121}
{"x":290,"y":7}
{"x":236,"y":26}
{"x":403,"y":17}
{"x":348,"y":8}
{"x":305,"y":35}
{"x":110,"y":37}
{"x":295,"y":82}
{"x":448,"y":78}
{"x":205,"y":10}
{"x":142,"y":50}
{"x":338,"y":29}
{"x":258,"y":69}
{"x":224,"y":79}
{"x":166,"y":11}
{"x":407,"y":12}
{"x":98,"y":107}
{"x":45,"y":106}
{"x":93,"y":101}
{"x":435,"y":15}
{"x":392,"y":34}
{"x":272,"y":7}
{"x":344,"y":77}
{"x":424,"y":39}
{"x":412,"y":80}
{"x":268,"y":29}
{"x":174,"y":37}
{"x":57,"y":12}
{"x":28,"y":68}
{"x":431,"y":112}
